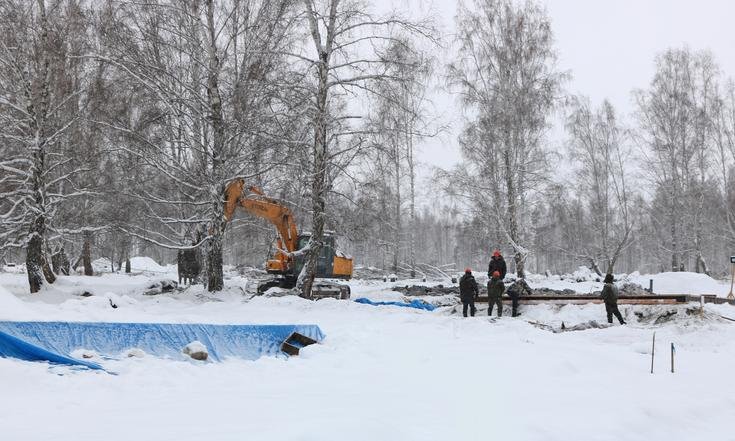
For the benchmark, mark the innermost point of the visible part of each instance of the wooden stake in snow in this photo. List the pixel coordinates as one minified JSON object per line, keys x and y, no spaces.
{"x":673,"y":351}
{"x":732,"y":281}
{"x":653,"y":350}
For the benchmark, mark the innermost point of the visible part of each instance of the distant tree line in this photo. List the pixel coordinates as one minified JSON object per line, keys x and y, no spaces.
{"x":648,"y":192}
{"x":121,"y":122}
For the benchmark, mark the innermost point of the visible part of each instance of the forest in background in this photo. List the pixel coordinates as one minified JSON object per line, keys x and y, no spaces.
{"x":122,"y":122}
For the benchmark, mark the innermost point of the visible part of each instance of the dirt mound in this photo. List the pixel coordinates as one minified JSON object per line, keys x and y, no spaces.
{"x":439,"y":290}
{"x":659,"y":316}
{"x":591,"y":324}
{"x":554,"y":292}
{"x":633,"y":289}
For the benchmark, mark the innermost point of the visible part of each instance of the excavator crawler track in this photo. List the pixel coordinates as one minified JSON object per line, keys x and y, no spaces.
{"x":321,"y":290}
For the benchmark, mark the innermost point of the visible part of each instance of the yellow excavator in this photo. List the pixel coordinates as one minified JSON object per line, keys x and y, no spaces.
{"x":286,"y":263}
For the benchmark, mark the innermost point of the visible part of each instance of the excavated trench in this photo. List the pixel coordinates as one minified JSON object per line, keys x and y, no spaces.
{"x":628,"y":289}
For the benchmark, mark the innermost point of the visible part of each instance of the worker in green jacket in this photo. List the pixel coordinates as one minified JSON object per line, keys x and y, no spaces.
{"x":515,"y":291}
{"x":610,"y":296}
{"x":495,"y":290}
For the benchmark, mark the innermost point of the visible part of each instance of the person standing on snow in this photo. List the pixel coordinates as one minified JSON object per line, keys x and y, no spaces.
{"x":467,"y":292}
{"x":497,"y":263}
{"x":610,"y":296}
{"x":515,"y":291}
{"x":495,"y":289}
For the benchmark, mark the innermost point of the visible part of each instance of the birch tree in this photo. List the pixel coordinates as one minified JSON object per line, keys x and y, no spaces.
{"x":344,"y":59}
{"x":206,"y":74}
{"x":724,"y":141}
{"x":675,"y":116}
{"x":598,"y":145}
{"x":35,"y":93}
{"x":402,"y":120}
{"x":506,"y":73}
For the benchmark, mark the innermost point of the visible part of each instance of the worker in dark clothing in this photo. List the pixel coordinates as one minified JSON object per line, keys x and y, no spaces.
{"x":468,"y":292}
{"x":515,"y":291}
{"x":495,"y":289}
{"x":610,"y":296}
{"x":497,"y":263}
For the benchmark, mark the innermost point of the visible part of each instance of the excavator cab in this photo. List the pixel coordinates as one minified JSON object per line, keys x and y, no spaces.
{"x":331,"y":264}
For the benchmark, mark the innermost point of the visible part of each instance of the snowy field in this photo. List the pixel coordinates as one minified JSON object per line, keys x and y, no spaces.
{"x":382,"y":373}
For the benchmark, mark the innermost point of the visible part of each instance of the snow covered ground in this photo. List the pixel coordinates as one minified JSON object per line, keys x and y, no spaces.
{"x":382,"y":373}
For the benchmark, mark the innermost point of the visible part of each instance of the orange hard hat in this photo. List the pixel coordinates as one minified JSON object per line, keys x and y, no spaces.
{"x":496,"y":253}
{"x":468,"y":270}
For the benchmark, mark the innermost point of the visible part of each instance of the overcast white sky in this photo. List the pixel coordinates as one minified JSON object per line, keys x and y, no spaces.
{"x":609,"y":47}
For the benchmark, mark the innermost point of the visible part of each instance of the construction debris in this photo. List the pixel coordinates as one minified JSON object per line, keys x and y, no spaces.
{"x":592,"y":324}
{"x":629,"y":289}
{"x":439,"y":290}
{"x":584,"y":298}
{"x":160,"y":287}
{"x":295,"y":342}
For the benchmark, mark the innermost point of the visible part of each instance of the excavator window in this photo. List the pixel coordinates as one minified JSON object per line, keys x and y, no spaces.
{"x":303,"y":240}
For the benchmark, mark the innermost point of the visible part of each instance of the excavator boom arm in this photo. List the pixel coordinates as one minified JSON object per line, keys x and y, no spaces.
{"x":263,"y":207}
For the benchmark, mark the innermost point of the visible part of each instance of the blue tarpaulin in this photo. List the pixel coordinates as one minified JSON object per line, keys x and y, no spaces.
{"x":16,"y":348}
{"x":55,"y":341}
{"x":416,"y":303}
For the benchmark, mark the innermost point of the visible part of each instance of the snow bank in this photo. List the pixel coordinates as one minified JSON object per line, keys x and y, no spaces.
{"x":681,"y":283}
{"x":14,"y":268}
{"x":390,"y":372}
{"x":583,"y":274}
{"x":144,"y":263}
{"x":101,"y":265}
{"x":137,"y":264}
{"x":10,"y":305}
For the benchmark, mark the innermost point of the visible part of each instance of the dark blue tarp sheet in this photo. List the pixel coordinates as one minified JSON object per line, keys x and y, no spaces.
{"x":11,"y":347}
{"x":416,"y":303}
{"x":55,"y":341}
